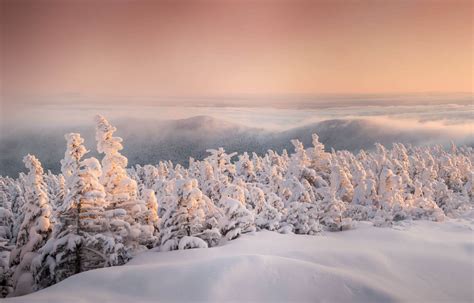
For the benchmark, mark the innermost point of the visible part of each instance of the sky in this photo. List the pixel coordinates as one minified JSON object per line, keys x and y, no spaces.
{"x":130,"y":49}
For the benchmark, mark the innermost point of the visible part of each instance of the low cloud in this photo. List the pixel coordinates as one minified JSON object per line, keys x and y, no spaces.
{"x":154,"y":133}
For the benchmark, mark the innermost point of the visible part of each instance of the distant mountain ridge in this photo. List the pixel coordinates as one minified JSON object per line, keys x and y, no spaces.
{"x":149,"y":141}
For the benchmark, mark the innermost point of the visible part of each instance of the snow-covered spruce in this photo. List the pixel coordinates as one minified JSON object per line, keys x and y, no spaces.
{"x":122,"y":191}
{"x":81,"y":239}
{"x":93,"y":215}
{"x":6,"y":235}
{"x":193,"y":216}
{"x":34,"y":230}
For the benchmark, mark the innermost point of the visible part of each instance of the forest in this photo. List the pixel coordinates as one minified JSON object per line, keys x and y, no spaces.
{"x":99,"y":213}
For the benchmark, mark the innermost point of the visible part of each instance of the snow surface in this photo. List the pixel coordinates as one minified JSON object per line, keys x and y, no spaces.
{"x":413,"y":262}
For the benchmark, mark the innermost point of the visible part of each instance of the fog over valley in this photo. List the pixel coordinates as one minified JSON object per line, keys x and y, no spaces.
{"x":154,"y":133}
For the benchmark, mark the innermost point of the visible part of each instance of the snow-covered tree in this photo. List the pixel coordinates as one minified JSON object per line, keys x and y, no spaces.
{"x":364,"y":202}
{"x":121,"y":190}
{"x":6,"y":219}
{"x":187,"y":219}
{"x":341,"y":183}
{"x":299,"y":160}
{"x":34,"y":230}
{"x":236,"y":192}
{"x":81,"y":240}
{"x":332,"y":212}
{"x":320,"y":160}
{"x":425,"y":207}
{"x":245,"y":168}
{"x":302,"y":218}
{"x":17,"y":197}
{"x":151,"y":221}
{"x":6,"y":235}
{"x":56,"y":185}
{"x":221,"y":163}
{"x":237,"y":218}
{"x":266,"y":216}
{"x":294,"y":190}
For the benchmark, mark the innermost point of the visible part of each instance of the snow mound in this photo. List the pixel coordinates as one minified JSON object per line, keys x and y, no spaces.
{"x":416,"y":262}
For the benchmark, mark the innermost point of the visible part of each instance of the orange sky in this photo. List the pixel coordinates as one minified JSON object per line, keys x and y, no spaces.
{"x":203,"y":48}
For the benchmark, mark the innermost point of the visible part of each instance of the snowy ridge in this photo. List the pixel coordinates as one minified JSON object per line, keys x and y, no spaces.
{"x":99,"y":213}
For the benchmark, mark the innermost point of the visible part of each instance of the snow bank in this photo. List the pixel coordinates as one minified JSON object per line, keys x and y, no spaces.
{"x":414,"y":262}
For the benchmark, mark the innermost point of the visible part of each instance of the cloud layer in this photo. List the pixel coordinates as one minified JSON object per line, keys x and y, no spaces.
{"x":153,"y":133}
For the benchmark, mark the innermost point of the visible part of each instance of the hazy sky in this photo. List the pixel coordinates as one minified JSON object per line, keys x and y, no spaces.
{"x":212,"y":48}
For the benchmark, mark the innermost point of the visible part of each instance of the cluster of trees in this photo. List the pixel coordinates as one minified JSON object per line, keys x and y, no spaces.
{"x":96,"y":214}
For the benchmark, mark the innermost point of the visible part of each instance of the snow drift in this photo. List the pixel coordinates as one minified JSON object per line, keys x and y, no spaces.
{"x":415,"y":262}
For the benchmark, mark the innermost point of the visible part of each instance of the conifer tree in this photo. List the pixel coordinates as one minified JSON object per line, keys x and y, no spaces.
{"x":266,"y":216}
{"x":34,"y":230}
{"x":187,"y":220}
{"x":80,"y":240}
{"x":121,"y":190}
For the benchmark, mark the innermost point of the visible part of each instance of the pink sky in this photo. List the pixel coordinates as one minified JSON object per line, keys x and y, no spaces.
{"x":205,"y":48}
